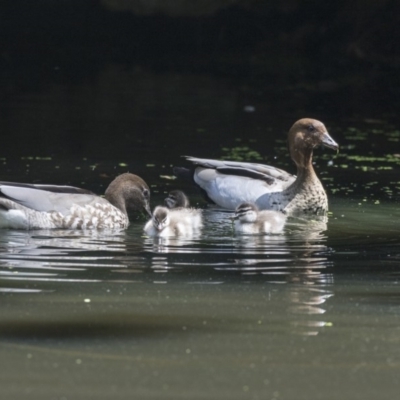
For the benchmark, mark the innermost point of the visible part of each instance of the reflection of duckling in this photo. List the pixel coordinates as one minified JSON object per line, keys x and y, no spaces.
{"x":175,"y":199}
{"x":249,"y":220}
{"x":175,"y":222}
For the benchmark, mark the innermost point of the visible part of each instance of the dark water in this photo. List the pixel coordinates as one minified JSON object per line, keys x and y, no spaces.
{"x":309,"y":314}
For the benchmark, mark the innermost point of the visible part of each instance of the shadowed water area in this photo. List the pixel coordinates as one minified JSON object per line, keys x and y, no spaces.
{"x":311,"y":313}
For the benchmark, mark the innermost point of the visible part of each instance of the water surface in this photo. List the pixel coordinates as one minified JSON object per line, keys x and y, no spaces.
{"x":303,"y":314}
{"x":311,"y":313}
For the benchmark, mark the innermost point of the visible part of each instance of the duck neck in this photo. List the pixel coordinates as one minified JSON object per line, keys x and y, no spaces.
{"x":116,"y":201}
{"x":305,"y":169}
{"x":305,"y":172}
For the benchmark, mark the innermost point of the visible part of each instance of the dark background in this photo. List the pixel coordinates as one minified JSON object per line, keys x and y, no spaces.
{"x":85,"y":78}
{"x":308,"y":40}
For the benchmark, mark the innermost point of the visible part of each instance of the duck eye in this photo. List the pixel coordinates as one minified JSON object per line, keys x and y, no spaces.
{"x":311,"y":128}
{"x":146,"y":193}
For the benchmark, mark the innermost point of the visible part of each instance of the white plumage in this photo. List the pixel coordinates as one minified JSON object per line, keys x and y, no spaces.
{"x":174,"y":222}
{"x":249,"y":220}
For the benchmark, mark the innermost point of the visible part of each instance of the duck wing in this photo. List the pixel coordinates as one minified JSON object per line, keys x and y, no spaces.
{"x":262,"y":172}
{"x":49,"y":188}
{"x":230,"y":183}
{"x":37,"y":199}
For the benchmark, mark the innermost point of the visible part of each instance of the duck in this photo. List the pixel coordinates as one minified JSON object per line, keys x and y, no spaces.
{"x":174,"y":222}
{"x":248,"y":219}
{"x":36,"y":206}
{"x":176,"y":199}
{"x":230,"y":183}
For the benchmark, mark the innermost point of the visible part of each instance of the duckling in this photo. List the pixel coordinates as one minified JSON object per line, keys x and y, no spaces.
{"x":249,"y":220}
{"x":28,"y":206}
{"x":176,"y":199}
{"x":175,"y":222}
{"x":230,"y":183}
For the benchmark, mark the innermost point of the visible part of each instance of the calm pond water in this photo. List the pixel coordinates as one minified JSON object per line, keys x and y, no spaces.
{"x":313,"y":313}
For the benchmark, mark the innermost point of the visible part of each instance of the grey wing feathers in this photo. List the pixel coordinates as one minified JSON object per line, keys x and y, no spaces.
{"x":49,"y":188}
{"x":63,"y":189}
{"x":42,"y":200}
{"x":252,"y":170}
{"x":245,"y":172}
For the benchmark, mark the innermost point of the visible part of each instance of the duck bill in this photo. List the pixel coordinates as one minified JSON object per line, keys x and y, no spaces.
{"x":146,"y":206}
{"x":168,"y":202}
{"x":327,"y":141}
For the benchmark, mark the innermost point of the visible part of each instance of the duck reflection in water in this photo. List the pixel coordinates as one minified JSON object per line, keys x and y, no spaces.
{"x":56,"y":255}
{"x":299,"y":260}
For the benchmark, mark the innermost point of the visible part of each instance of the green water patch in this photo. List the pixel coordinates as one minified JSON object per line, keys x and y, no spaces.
{"x":241,"y":153}
{"x":367,"y":161}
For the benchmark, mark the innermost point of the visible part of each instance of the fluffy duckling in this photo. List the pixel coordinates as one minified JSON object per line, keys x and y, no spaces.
{"x":175,"y":222}
{"x":26,"y":206}
{"x":176,"y":199}
{"x":230,"y":183}
{"x":249,"y":220}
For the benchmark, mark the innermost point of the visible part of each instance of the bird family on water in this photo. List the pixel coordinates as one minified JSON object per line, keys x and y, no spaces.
{"x":261,"y":196}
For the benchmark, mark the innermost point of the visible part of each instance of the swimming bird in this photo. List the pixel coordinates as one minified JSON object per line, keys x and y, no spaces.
{"x":249,"y":220}
{"x":29,"y":206}
{"x":174,"y":222}
{"x":176,"y":199}
{"x":230,"y":183}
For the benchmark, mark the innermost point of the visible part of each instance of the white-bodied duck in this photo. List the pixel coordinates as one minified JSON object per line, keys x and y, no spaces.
{"x":230,"y":183}
{"x":174,"y":222}
{"x":249,"y":220}
{"x":26,"y":206}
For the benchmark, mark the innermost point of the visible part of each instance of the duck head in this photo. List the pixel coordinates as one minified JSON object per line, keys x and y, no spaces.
{"x":160,"y":218}
{"x":176,"y":198}
{"x":129,"y":193}
{"x":304,"y":136}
